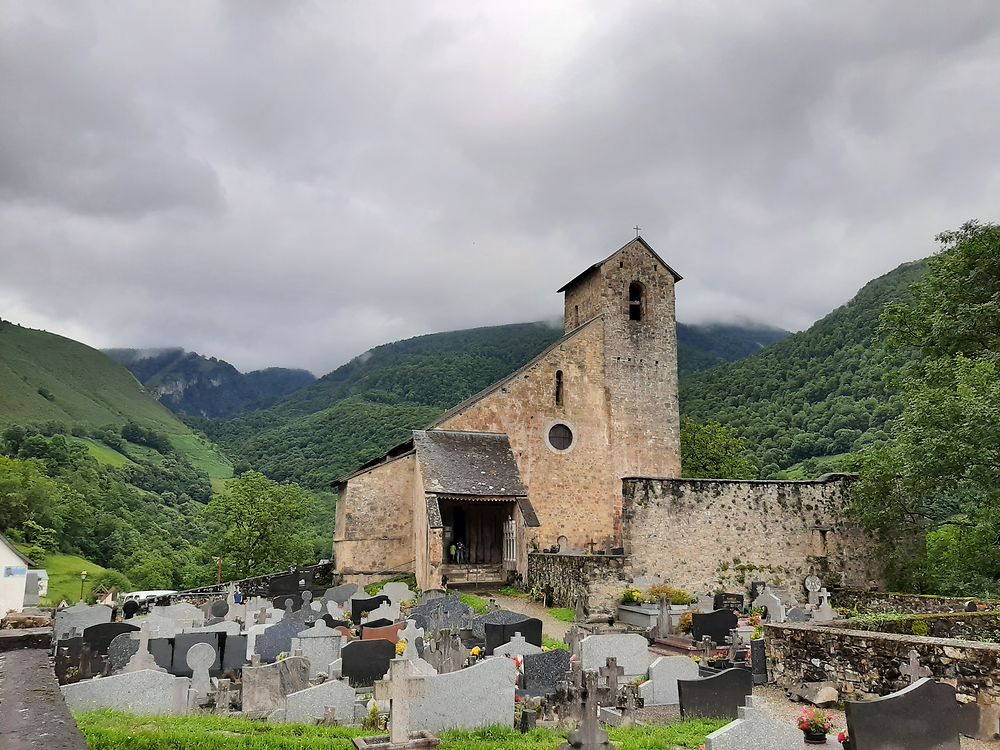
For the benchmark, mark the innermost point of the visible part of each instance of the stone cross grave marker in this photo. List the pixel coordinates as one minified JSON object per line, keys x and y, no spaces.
{"x":142,"y":658}
{"x":200,"y":658}
{"x":399,"y":689}
{"x":775,"y":607}
{"x":411,"y":634}
{"x":590,"y":735}
{"x":824,"y":613}
{"x":813,"y":585}
{"x":573,"y":640}
{"x":664,"y":626}
{"x":611,"y":673}
{"x":581,"y":610}
{"x":914,"y":670}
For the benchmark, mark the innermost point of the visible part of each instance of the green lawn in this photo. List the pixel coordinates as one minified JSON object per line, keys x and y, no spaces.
{"x":112,"y":731}
{"x":103,"y":453}
{"x":64,"y":577}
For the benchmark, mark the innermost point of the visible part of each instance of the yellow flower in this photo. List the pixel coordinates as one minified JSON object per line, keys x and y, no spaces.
{"x":476,"y":651}
{"x":400,"y":647}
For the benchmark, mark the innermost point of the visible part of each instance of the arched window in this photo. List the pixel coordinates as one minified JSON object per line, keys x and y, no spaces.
{"x":559,"y":388}
{"x":635,"y":300}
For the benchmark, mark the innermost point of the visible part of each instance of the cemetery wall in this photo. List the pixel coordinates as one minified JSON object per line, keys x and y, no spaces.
{"x":374,"y":527}
{"x":970,"y":626}
{"x":706,"y":534}
{"x":601,"y":579}
{"x":864,"y":664}
{"x":882,"y":601}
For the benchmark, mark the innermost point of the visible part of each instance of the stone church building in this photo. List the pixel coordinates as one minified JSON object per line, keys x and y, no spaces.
{"x":542,"y":458}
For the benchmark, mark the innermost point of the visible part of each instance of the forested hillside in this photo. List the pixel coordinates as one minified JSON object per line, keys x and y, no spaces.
{"x":189,"y":383}
{"x":371,"y":403}
{"x":821,"y":392}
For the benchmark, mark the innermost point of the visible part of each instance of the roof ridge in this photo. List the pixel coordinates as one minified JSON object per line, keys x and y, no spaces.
{"x":598,"y":264}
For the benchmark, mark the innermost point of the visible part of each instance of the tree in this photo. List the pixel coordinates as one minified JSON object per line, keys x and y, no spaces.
{"x":939,"y":477}
{"x":714,"y":451}
{"x":258,"y":526}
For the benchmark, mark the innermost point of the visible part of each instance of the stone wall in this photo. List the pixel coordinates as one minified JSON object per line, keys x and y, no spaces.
{"x":882,"y":601}
{"x":966,"y":626}
{"x":863,"y":664}
{"x":599,"y":578}
{"x":705,"y":534}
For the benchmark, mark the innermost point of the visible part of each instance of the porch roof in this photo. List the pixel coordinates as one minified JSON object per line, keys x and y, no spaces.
{"x":469,"y":464}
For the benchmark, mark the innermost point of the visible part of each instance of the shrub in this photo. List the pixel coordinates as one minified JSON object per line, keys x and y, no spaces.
{"x":632,"y":595}
{"x":920,"y":628}
{"x":674,"y":594}
{"x":686,"y":623}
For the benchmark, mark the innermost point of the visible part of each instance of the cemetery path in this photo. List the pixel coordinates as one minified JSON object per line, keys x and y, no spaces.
{"x":33,"y":714}
{"x":550,"y":625}
{"x":786,"y":709}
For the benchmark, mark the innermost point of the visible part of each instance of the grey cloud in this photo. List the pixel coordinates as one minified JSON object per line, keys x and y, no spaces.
{"x":295,"y":183}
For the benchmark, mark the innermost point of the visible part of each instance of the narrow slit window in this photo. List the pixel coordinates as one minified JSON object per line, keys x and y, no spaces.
{"x":635,"y":301}
{"x":559,"y":388}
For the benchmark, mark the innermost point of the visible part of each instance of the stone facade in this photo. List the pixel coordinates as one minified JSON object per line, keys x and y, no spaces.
{"x":600,"y":579}
{"x":702,"y":534}
{"x":864,"y":665}
{"x":882,"y":601}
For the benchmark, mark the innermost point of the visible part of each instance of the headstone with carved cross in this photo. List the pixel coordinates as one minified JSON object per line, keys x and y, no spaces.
{"x":610,"y":674}
{"x":590,"y":735}
{"x":824,"y":612}
{"x":142,"y":659}
{"x":914,"y":670}
{"x":399,"y":689}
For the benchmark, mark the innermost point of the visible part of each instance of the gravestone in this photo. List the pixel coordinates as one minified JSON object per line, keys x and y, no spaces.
{"x":309,"y":706}
{"x":824,"y":612}
{"x":265,"y":687}
{"x":664,"y":672}
{"x":758,"y":662}
{"x":253,"y":633}
{"x":143,"y":658}
{"x":365,"y":662}
{"x":160,"y":626}
{"x":121,"y":649}
{"x":142,"y":693}
{"x":431,"y":594}
{"x":400,"y":689}
{"x":80,"y":616}
{"x":385,"y":611}
{"x":812,"y":585}
{"x":728,"y":601}
{"x":182,"y":612}
{"x":590,"y":735}
{"x":797,"y":614}
{"x":360,"y":607}
{"x":716,"y":625}
{"x":162,"y":650}
{"x":774,"y":606}
{"x":225,"y":626}
{"x":200,"y":658}
{"x":183,"y":643}
{"x":517,"y":646}
{"x":439,"y":614}
{"x":446,"y":652}
{"x":398,"y":592}
{"x":913,"y":669}
{"x":631,"y":651}
{"x":610,"y":675}
{"x":277,"y":639}
{"x":69,"y":660}
{"x":414,"y":638}
{"x":479,"y":696}
{"x":542,"y":671}
{"x":389,"y":632}
{"x":500,"y":626}
{"x":319,"y":644}
{"x":219,"y":608}
{"x":342,"y":593}
{"x":234,"y":653}
{"x":923,"y":716}
{"x":756,"y":727}
{"x":96,"y":642}
{"x":130,"y":609}
{"x":715,"y":697}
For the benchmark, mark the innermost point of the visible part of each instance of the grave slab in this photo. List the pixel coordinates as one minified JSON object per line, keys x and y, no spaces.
{"x":143,"y":693}
{"x":266,"y":687}
{"x":480,"y":696}
{"x":664,"y":672}
{"x":630,"y":649}
{"x":309,"y":706}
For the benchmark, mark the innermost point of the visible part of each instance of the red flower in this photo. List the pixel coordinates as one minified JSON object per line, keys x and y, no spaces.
{"x":841,"y":737}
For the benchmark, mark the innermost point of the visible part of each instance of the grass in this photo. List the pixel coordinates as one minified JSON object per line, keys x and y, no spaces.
{"x":103,"y":453}
{"x":64,"y":577}
{"x":106,"y":730}
{"x":553,"y":643}
{"x":479,"y":605}
{"x":514,"y":592}
{"x":563,"y":614}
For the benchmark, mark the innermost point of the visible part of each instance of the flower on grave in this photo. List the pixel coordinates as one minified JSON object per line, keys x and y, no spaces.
{"x":476,"y":652}
{"x":754,"y":620}
{"x":632,"y":595}
{"x":758,"y":633}
{"x":843,"y":737}
{"x":815,"y":721}
{"x":400,"y":647}
{"x":519,"y":664}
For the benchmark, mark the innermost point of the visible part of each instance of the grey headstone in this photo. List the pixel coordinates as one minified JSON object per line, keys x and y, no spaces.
{"x":923,"y":716}
{"x":631,"y":650}
{"x":359,"y":607}
{"x":499,"y":633}
{"x":715,"y":697}
{"x":480,"y":696}
{"x":439,"y":614}
{"x":309,"y":706}
{"x":431,"y":594}
{"x":265,"y":687}
{"x":123,"y":647}
{"x":664,"y":672}
{"x":277,"y":639}
{"x":200,"y":658}
{"x":341,"y":593}
{"x":319,"y":644}
{"x":756,"y":727}
{"x":80,"y":616}
{"x":517,"y":646}
{"x":183,"y":643}
{"x":219,"y":608}
{"x":774,"y":605}
{"x":542,"y":671}
{"x":446,"y":652}
{"x":398,"y":592}
{"x":797,"y":614}
{"x":143,"y":693}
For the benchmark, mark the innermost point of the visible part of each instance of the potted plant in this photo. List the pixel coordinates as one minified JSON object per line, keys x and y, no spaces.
{"x":815,"y":724}
{"x":845,"y":739}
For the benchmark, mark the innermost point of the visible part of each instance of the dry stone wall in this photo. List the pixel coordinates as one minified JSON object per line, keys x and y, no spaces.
{"x":706,"y":534}
{"x":881,"y":601}
{"x":599,"y":578}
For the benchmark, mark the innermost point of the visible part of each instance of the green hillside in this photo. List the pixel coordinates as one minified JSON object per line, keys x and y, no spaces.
{"x":821,"y":392}
{"x":366,"y":406}
{"x":46,"y":378}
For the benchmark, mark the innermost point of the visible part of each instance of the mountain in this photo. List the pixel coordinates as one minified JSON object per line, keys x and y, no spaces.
{"x":819,"y":393}
{"x":46,"y":378}
{"x":366,"y":406}
{"x":188,"y":383}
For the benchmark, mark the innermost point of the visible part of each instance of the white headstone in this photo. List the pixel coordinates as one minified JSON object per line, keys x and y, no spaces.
{"x":398,"y":592}
{"x":479,"y":696}
{"x":143,"y":693}
{"x":661,"y":688}
{"x":517,"y":646}
{"x":756,"y":727}
{"x":309,"y":706}
{"x":775,"y":607}
{"x":631,"y":650}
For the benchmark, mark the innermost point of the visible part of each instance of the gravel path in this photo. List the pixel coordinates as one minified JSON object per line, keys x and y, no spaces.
{"x":550,"y":625}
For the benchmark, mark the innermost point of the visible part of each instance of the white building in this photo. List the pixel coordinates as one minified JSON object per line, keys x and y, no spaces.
{"x":13,"y":576}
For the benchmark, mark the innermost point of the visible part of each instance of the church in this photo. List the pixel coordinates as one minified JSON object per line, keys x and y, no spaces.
{"x":538,"y":459}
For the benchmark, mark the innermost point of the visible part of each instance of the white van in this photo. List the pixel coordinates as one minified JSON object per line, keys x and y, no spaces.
{"x":143,"y":596}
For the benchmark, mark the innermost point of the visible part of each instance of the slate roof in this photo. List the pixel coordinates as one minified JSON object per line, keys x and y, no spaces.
{"x":468,"y":463}
{"x":598,"y":264}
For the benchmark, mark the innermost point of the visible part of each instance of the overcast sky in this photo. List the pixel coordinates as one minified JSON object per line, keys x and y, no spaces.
{"x":292,"y":183}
